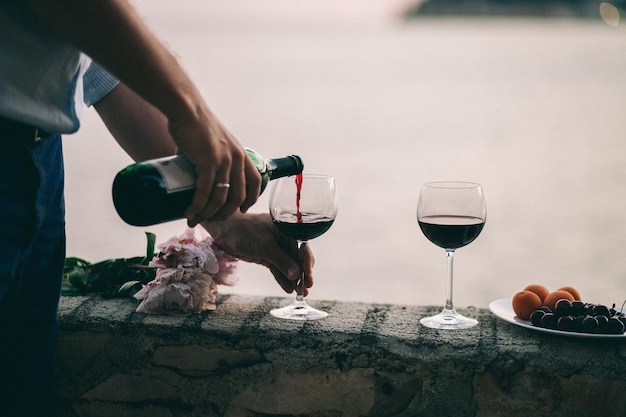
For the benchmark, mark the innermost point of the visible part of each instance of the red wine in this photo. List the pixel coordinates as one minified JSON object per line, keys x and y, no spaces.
{"x":160,"y":190}
{"x":298,"y":192}
{"x":306,"y":227}
{"x":451,"y":232}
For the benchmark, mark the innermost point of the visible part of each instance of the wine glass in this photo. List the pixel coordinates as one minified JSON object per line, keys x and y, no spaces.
{"x":303,"y":209}
{"x":451,"y":215}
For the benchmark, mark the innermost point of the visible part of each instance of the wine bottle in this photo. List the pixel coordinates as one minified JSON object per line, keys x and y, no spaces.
{"x":160,"y":190}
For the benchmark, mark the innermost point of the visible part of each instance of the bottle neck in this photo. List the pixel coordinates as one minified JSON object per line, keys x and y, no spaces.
{"x":284,"y":167}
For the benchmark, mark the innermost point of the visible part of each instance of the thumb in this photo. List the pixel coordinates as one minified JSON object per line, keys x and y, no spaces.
{"x":286,"y":284}
{"x":288,"y":267}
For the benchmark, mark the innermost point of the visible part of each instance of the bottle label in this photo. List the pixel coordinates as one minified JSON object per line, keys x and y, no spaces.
{"x":177,"y":172}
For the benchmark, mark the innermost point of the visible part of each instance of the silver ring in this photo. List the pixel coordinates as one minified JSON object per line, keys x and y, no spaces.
{"x":222,"y":185}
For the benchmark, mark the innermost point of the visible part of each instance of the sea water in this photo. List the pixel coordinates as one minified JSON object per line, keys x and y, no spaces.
{"x":531,"y":108}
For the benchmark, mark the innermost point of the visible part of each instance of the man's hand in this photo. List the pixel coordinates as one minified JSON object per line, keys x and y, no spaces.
{"x":218,"y":158}
{"x":254,"y":238}
{"x":143,"y":131}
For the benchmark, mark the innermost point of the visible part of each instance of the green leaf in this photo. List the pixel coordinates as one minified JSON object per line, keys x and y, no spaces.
{"x":72,"y":262}
{"x":128,"y":285}
{"x":151,"y":238}
{"x":110,"y":277}
{"x":78,"y":278}
{"x":75,"y":276}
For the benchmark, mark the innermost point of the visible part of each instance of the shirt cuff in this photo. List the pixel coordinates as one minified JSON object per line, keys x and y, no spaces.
{"x":97,"y":83}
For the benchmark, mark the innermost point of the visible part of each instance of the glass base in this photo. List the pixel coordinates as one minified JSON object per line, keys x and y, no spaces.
{"x":448,"y":319}
{"x":298,"y":310}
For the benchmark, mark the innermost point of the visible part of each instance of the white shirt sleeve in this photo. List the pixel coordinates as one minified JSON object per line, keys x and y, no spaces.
{"x":41,"y":75}
{"x":97,"y":83}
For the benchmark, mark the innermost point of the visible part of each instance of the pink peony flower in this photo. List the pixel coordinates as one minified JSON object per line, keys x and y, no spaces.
{"x":187,"y":277}
{"x":227,"y":267}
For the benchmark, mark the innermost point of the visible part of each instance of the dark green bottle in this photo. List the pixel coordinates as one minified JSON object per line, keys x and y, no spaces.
{"x":160,"y":190}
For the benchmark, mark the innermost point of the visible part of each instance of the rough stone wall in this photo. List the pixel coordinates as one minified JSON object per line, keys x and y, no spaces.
{"x":363,"y":360}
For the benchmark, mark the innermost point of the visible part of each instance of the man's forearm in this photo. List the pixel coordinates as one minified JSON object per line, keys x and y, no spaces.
{"x":112,"y":33}
{"x":139,"y":128}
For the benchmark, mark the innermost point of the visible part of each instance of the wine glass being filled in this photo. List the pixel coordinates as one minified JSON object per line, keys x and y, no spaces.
{"x":303,"y":207}
{"x":451,"y":215}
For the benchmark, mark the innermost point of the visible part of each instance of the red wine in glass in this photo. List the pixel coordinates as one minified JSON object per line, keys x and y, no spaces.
{"x":303,"y":226}
{"x":451,"y":215}
{"x":303,"y":209}
{"x":451,"y":232}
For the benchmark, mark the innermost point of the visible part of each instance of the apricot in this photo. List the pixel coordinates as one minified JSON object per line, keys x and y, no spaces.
{"x":554,"y":296}
{"x":524,"y":303}
{"x":572,"y":291}
{"x":538,"y":289}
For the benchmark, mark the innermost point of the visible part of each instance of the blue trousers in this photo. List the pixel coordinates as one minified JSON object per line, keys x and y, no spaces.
{"x":32,"y":255}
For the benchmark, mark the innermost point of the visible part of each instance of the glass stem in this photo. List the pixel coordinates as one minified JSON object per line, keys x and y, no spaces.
{"x":449,"y":267}
{"x":300,"y":293}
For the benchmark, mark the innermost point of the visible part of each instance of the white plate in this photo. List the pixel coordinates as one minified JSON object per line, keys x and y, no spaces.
{"x":503,"y":309}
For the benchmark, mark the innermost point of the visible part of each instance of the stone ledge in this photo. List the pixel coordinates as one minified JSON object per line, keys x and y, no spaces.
{"x":363,"y":360}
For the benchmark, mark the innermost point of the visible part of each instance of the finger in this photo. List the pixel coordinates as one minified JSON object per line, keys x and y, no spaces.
{"x":307,"y":260}
{"x":215,"y":201}
{"x":308,"y":280}
{"x":286,"y":284}
{"x":252,"y":183}
{"x":235,"y":195}
{"x":204,"y":189}
{"x":294,"y":263}
{"x":286,"y":265}
{"x":301,"y":290}
{"x":288,"y":245}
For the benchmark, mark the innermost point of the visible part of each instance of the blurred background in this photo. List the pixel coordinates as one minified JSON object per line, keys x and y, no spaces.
{"x":526,"y":97}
